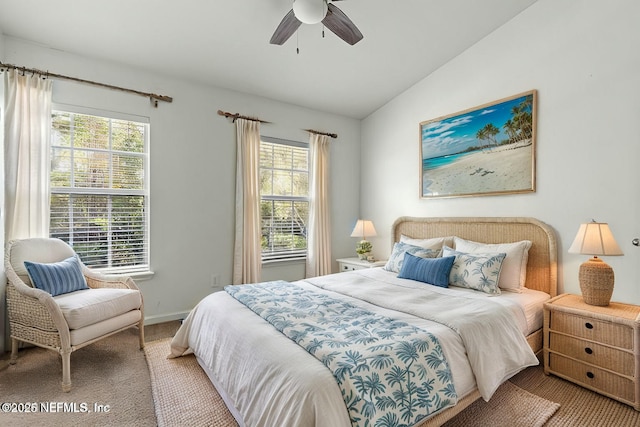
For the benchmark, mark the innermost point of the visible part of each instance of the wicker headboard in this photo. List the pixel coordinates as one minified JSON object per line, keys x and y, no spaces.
{"x":542,"y":266}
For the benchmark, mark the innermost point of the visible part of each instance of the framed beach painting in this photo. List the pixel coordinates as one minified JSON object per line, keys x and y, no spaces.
{"x":486,"y":150}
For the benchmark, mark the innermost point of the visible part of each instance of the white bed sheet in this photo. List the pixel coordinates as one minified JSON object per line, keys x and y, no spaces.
{"x":531,"y":302}
{"x":256,"y":385}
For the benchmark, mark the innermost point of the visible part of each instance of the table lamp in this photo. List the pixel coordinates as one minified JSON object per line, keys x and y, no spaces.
{"x":364,"y":228}
{"x":596,"y":276}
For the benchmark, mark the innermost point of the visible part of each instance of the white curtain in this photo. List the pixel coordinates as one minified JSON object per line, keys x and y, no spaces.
{"x":319,"y":230}
{"x":247,"y":256}
{"x":26,"y":155}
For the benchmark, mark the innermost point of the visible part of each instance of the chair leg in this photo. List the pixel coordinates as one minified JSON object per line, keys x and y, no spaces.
{"x":141,"y":329}
{"x":14,"y":351}
{"x":66,"y":371}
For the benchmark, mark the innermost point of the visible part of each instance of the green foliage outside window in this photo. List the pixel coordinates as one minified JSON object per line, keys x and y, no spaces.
{"x":98,"y":201}
{"x":284,"y":207}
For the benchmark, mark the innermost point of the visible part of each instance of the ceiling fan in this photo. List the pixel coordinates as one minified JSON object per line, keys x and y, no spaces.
{"x":313,"y":12}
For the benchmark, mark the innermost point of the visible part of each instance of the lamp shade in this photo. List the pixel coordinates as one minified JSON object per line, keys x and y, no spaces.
{"x":364,"y":228}
{"x":310,"y":11}
{"x":595,"y":238}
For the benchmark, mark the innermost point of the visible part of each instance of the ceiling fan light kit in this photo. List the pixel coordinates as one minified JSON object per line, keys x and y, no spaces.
{"x":313,"y":12}
{"x":310,"y":11}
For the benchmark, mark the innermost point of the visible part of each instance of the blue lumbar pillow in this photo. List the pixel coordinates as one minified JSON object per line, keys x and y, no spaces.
{"x":434,"y":271}
{"x":58,"y":277}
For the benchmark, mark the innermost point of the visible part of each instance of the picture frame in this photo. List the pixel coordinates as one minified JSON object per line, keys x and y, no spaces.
{"x":485,"y":150}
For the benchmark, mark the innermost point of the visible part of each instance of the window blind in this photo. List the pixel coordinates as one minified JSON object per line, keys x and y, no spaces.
{"x":284,"y":194}
{"x":99,"y":189}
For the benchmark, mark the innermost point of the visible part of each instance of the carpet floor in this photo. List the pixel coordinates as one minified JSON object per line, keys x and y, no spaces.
{"x":109,"y":379}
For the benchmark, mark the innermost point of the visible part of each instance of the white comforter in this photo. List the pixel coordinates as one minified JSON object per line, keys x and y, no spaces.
{"x":270,"y":380}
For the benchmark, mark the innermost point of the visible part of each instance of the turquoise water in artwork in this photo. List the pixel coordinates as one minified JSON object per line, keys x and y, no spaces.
{"x":436,"y":162}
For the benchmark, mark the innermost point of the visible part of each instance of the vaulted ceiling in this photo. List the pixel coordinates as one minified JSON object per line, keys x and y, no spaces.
{"x":226,"y":43}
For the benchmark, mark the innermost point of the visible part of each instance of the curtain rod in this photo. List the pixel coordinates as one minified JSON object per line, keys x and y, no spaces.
{"x":235,"y":116}
{"x":317,"y":132}
{"x":46,"y":74}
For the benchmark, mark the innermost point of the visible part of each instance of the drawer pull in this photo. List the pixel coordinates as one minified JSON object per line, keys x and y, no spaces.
{"x":590,"y":375}
{"x":588,"y":325}
{"x":588,"y":350}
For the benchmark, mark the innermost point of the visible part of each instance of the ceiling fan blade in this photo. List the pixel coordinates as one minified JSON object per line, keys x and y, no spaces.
{"x":287,"y":27}
{"x":341,"y":25}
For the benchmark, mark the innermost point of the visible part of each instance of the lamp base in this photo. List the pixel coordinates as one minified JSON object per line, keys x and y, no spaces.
{"x":596,"y":282}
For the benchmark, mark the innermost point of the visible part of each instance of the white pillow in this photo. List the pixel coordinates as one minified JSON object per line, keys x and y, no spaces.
{"x":480,"y":272}
{"x":433,"y":243}
{"x":514,"y":268}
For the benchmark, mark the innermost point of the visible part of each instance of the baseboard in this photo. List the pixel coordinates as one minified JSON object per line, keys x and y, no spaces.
{"x":161,"y":318}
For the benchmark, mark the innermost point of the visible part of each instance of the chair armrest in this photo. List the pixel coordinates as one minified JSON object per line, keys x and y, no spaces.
{"x":34,"y":308}
{"x":96,"y":279}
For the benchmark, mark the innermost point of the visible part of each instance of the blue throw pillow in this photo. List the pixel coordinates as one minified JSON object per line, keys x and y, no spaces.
{"x":434,"y":271}
{"x":58,"y":277}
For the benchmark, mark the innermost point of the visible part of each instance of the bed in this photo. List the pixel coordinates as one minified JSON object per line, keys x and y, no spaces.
{"x":267,"y":378}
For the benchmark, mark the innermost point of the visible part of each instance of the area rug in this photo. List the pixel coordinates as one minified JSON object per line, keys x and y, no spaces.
{"x":183,"y":395}
{"x":182,"y":392}
{"x":510,"y":406}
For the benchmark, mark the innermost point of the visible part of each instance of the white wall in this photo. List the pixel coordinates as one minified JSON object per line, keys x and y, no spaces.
{"x":193,"y":169}
{"x":583,"y":58}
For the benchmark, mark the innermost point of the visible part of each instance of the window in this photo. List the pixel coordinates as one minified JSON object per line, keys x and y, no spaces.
{"x":284,"y":198}
{"x":100,"y":189}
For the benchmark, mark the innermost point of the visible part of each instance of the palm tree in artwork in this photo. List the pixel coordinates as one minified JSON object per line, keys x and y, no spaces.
{"x":491,"y":132}
{"x":511,"y":129}
{"x":482,"y":134}
{"x":488,"y":132}
{"x":522,"y":118}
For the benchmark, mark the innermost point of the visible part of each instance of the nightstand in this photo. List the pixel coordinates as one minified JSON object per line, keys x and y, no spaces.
{"x":350,"y":264}
{"x":595,"y":347}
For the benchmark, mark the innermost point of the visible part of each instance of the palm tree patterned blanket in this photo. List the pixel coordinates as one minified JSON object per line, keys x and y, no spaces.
{"x":390,"y":373}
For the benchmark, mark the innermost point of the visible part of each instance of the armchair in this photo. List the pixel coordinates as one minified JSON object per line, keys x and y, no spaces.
{"x":71,"y":320}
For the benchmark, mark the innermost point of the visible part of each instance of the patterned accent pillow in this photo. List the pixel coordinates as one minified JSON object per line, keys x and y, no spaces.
{"x":394,"y":264}
{"x":480,"y":272}
{"x":514,"y":268}
{"x":58,"y":277}
{"x":434,"y":271}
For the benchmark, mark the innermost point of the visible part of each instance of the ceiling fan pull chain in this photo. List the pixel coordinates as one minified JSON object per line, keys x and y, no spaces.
{"x":297,"y":43}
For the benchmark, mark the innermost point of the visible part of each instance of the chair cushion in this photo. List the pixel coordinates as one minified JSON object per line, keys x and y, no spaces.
{"x":89,"y":306}
{"x":57,"y":277}
{"x":100,"y":329}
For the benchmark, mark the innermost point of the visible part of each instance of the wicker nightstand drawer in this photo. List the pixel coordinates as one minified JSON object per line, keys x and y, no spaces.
{"x":594,"y":330}
{"x":592,"y":353}
{"x":594,"y":378}
{"x":596,"y":347}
